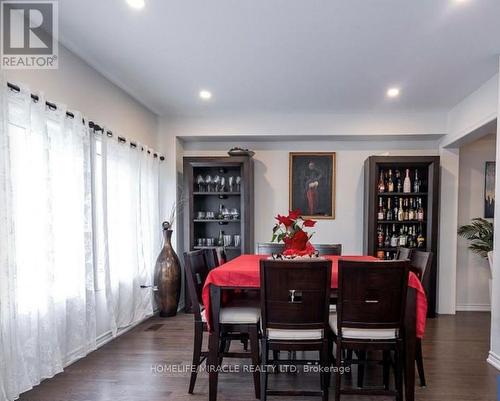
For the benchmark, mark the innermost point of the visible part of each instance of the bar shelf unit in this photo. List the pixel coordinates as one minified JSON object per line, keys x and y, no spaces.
{"x":428,"y":170}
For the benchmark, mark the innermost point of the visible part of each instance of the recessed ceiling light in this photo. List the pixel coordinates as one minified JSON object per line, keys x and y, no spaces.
{"x":393,"y":92}
{"x":205,"y":95}
{"x":137,"y":4}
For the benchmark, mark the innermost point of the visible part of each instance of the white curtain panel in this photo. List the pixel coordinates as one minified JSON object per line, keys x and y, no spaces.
{"x":47,"y":300}
{"x":131,"y":234}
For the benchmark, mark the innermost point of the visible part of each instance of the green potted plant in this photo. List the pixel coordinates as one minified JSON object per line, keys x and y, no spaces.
{"x":480,"y":234}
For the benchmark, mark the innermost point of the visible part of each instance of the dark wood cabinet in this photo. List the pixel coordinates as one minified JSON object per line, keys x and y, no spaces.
{"x":219,"y":204}
{"x":394,"y":216}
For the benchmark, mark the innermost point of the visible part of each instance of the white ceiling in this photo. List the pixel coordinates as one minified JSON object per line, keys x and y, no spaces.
{"x":288,"y":56}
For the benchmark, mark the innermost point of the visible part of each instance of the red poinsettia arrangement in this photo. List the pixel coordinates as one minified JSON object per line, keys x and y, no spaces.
{"x":290,"y":230}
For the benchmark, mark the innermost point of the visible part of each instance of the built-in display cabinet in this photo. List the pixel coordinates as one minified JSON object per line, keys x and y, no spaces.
{"x":401,"y":208}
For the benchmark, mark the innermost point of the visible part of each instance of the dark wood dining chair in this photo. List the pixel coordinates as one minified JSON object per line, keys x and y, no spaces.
{"x":370,"y":317}
{"x":420,"y":264}
{"x":403,"y":253}
{"x":215,"y":257}
{"x":295,"y":316}
{"x":237,"y":320}
{"x":268,"y":248}
{"x":329,"y":249}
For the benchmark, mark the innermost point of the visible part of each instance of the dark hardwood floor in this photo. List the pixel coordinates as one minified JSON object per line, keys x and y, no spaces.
{"x":132,"y":367}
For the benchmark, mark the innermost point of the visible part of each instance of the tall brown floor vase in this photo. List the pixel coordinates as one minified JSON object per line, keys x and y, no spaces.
{"x":167,"y":277}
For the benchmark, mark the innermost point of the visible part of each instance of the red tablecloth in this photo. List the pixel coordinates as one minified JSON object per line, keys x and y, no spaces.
{"x":244,"y":272}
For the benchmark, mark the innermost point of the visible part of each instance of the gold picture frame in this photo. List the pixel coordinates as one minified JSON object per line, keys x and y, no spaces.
{"x":311,"y":182}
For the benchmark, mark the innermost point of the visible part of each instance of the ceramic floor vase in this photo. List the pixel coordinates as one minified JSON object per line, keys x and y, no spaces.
{"x":167,"y":276}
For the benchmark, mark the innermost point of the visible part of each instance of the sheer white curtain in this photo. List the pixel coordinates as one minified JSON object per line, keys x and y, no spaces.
{"x":130,"y":209}
{"x":47,"y":300}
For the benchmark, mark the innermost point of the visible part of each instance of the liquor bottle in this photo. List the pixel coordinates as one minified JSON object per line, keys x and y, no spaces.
{"x":380,"y":237}
{"x":407,"y":182}
{"x":389,"y":216}
{"x":420,"y":210}
{"x":411,"y":211}
{"x":388,"y":256}
{"x":401,"y":212}
{"x":399,"y":185}
{"x":402,"y":237}
{"x":394,"y":238}
{"x":420,"y":238}
{"x":416,"y":183}
{"x":390,"y":183}
{"x":381,"y":213}
{"x":406,"y":212}
{"x":387,"y":239}
{"x":380,"y":255}
{"x":381,"y":183}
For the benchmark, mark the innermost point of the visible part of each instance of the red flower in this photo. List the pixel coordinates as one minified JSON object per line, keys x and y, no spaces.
{"x":299,"y":240}
{"x":284,"y":220}
{"x":308,"y":250}
{"x":309,"y":223}
{"x":294,"y":214}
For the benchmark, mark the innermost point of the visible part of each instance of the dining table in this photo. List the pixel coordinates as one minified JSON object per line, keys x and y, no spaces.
{"x":243,"y":273}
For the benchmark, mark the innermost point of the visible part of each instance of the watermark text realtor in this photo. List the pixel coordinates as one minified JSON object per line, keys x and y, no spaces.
{"x":29,"y":34}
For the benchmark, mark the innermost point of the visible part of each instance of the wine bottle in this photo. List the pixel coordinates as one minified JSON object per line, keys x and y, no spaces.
{"x":399,"y":186}
{"x":420,"y":238}
{"x":390,"y":183}
{"x":420,"y":210}
{"x":380,"y":214}
{"x":380,"y":237}
{"x":407,"y":182}
{"x":381,"y":183}
{"x":387,"y":239}
{"x":394,"y":238}
{"x":406,"y":211}
{"x":416,"y":183}
{"x":411,"y":212}
{"x":401,"y":212}
{"x":389,"y":216}
{"x":402,"y":237}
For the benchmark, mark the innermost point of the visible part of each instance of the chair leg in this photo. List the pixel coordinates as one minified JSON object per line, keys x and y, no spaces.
{"x":398,"y":370}
{"x":276,"y":366}
{"x":420,"y":362}
{"x":386,"y":368}
{"x":325,"y":374}
{"x":198,"y":339}
{"x":213,"y":358}
{"x":254,"y":349}
{"x":338,"y":378}
{"x":263,"y":370}
{"x":361,"y":367}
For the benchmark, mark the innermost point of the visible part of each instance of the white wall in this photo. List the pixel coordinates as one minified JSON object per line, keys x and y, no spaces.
{"x":472,"y":270}
{"x":271,"y":182}
{"x":82,"y":88}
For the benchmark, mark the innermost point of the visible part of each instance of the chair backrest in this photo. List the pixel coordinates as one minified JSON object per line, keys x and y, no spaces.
{"x":403,"y":253}
{"x":211,"y":258}
{"x":295,"y":294}
{"x":329,"y":249}
{"x":196,"y":268}
{"x":372,"y":295}
{"x":420,"y":263}
{"x":268,"y":248}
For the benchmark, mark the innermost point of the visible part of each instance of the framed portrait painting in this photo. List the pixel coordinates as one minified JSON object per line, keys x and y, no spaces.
{"x":489,"y":190}
{"x":312,"y":184}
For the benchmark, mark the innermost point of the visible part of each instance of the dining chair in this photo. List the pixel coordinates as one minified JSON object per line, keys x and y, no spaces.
{"x":215,"y":257}
{"x":370,"y":317}
{"x":420,"y":264}
{"x":268,"y":248}
{"x":329,"y":249}
{"x":295,"y":316}
{"x":237,"y":320}
{"x":403,"y":253}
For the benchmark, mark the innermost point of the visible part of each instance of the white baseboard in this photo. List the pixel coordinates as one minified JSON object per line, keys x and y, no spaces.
{"x":474,"y":308}
{"x":494,"y":360}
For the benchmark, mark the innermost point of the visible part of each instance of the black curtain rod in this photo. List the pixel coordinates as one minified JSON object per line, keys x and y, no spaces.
{"x":94,"y":126}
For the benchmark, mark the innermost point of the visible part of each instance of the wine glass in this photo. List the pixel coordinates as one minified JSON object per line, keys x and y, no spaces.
{"x":208,"y":181}
{"x":234,"y":214}
{"x":231,"y":184}
{"x":223,"y":184}
{"x":200,"y":183}
{"x":217,"y":183}
{"x":238,"y":184}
